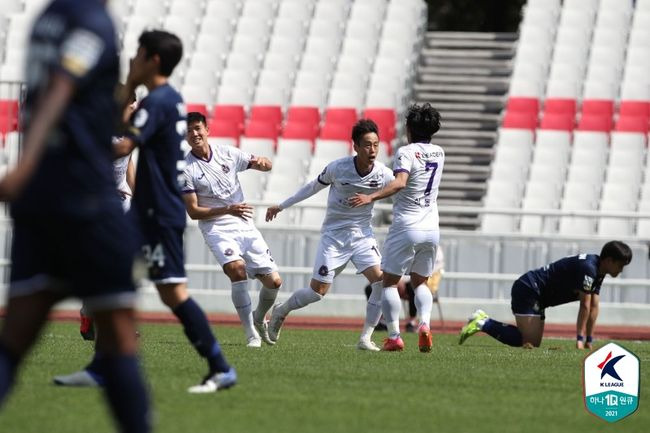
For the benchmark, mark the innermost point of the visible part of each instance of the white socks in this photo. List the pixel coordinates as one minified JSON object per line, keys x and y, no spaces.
{"x":242,"y":302}
{"x":299,"y":299}
{"x":266,"y":301}
{"x":373,"y":309}
{"x":424,"y":303}
{"x":391,"y":306}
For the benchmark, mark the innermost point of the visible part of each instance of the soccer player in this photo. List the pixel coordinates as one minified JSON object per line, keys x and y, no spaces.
{"x":70,"y":236}
{"x":213,"y":196}
{"x":124,"y":174}
{"x":158,"y":127}
{"x":414,"y":234}
{"x":346,"y":232}
{"x":574,"y":278}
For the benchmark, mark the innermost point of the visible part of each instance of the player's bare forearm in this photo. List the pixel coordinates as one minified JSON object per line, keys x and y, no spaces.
{"x":392,"y":188}
{"x":261,"y":164}
{"x":48,"y":111}
{"x":593,"y":315}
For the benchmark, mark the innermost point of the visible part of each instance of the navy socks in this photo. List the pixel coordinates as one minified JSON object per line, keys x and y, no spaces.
{"x":198,"y":331}
{"x":507,"y":334}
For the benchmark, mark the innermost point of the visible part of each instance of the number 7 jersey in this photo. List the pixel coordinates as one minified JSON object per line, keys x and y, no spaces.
{"x":415,"y":206}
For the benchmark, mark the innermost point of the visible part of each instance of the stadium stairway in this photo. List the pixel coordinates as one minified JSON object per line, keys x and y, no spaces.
{"x":466,"y":77}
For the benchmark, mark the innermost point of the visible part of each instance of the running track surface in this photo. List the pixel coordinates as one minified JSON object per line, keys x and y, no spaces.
{"x":603,"y":332}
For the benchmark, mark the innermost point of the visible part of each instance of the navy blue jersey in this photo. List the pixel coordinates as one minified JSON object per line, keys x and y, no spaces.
{"x":560,"y":282}
{"x":75,"y":175}
{"x":158,"y":127}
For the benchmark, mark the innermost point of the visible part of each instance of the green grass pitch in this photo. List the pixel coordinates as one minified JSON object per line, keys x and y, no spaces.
{"x":315,"y":381}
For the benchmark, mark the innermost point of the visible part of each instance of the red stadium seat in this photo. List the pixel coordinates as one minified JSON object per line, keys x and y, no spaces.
{"x":261,"y":129}
{"x":556,"y":121}
{"x":335,"y":131}
{"x":523,"y":105}
{"x":224,"y":128}
{"x":596,"y":122}
{"x":385,"y":119}
{"x":560,"y":106}
{"x":9,"y":111}
{"x":601,"y":107}
{"x":520,"y":120}
{"x":635,"y":108}
{"x":200,"y":108}
{"x":345,"y":116}
{"x":309,"y":115}
{"x":632,"y":124}
{"x":266,"y":113}
{"x":300,"y":130}
{"x":232,"y":113}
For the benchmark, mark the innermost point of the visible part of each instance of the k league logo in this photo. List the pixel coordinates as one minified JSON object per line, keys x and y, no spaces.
{"x":611,"y":382}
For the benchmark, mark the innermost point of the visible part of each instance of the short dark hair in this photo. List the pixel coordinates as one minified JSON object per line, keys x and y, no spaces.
{"x":168,"y":47}
{"x":618,"y":251}
{"x":422,"y":121}
{"x":363,"y":127}
{"x":195,"y":116}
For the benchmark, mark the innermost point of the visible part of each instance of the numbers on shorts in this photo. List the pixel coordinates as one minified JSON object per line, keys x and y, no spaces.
{"x":155,"y":256}
{"x":434,"y":167}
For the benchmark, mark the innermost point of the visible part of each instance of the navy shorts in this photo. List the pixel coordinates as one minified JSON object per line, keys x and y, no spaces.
{"x":525,"y":301}
{"x":90,"y":259}
{"x":162,"y":248}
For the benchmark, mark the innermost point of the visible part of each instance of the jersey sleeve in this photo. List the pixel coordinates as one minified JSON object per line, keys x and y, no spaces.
{"x":242,"y":159}
{"x":145,"y":122}
{"x":326,"y":177}
{"x":86,"y":48}
{"x":590,"y":282}
{"x":187,"y":187}
{"x":403,"y":161}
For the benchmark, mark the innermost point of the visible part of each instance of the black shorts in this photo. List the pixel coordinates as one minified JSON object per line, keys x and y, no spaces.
{"x":525,"y":301}
{"x":89,"y":259}
{"x":162,"y":248}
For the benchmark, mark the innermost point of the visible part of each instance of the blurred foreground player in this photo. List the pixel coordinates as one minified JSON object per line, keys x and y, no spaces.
{"x":566,"y":280}
{"x":70,"y":235}
{"x":158,"y":127}
{"x":124,"y":173}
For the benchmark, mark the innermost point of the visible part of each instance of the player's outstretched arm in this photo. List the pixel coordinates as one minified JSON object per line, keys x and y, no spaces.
{"x":196,"y":212}
{"x":48,"y":111}
{"x":393,"y":187}
{"x":303,"y":193}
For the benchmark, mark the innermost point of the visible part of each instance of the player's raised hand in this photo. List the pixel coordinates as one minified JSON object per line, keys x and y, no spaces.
{"x":358,"y":200}
{"x":242,"y":210}
{"x":272,"y":212}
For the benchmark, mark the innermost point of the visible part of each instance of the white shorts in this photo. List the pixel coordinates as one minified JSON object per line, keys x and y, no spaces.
{"x":409,"y":251}
{"x":246,"y":245}
{"x":336,"y":249}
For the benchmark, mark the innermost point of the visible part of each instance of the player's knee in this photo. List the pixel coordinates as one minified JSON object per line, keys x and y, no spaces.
{"x":319,"y":287}
{"x":276,"y":282}
{"x":235,"y":271}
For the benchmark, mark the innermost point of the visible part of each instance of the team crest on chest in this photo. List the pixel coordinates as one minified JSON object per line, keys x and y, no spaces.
{"x":229,"y":252}
{"x":225,"y":168}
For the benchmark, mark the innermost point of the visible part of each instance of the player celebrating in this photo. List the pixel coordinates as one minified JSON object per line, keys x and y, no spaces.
{"x":566,"y":280}
{"x":414,"y":235}
{"x":70,"y":236}
{"x":346,"y":232}
{"x":213,"y":196}
{"x":158,"y":127}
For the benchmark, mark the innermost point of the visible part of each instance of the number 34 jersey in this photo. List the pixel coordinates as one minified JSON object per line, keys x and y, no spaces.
{"x":415,"y":206}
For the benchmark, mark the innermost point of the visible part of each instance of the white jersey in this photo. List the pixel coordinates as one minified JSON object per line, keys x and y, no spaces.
{"x":120,"y":166}
{"x":415,"y":206}
{"x":344,"y":181}
{"x":216,"y":184}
